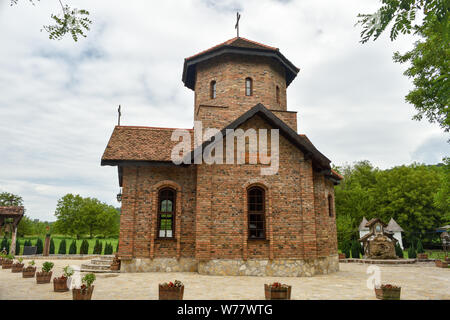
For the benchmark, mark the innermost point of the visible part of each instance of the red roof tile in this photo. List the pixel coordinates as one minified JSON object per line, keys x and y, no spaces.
{"x":141,"y":144}
{"x":237,"y":42}
{"x":11,"y":210}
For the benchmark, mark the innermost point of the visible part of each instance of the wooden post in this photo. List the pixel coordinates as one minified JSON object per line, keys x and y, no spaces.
{"x":47,"y":245}
{"x":12,"y":249}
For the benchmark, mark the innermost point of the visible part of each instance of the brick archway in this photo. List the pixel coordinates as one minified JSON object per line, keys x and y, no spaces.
{"x":178,"y":209}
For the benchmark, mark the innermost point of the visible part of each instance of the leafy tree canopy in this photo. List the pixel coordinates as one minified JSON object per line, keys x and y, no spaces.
{"x":429,"y":63}
{"x":70,"y":21}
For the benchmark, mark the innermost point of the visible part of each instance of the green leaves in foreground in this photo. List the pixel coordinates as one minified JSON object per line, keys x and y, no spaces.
{"x":72,"y":21}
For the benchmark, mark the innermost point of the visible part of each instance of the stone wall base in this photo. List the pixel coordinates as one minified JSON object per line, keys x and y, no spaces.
{"x":231,"y":267}
{"x":159,"y":265}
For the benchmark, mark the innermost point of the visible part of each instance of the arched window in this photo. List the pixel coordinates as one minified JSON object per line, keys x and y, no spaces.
{"x":166,"y":213}
{"x":256,"y":213}
{"x":248,"y":86}
{"x":330,"y":205}
{"x":213,"y":89}
{"x":278,"y":94}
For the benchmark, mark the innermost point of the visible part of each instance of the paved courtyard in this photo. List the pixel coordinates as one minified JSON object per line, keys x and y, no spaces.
{"x":418,"y":281}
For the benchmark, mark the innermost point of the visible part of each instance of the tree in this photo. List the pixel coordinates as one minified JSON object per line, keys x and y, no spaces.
{"x":73,"y":247}
{"x":39,"y":246}
{"x":78,"y":216}
{"x":9,"y":199}
{"x":441,"y":198}
{"x":70,"y":21}
{"x":345,"y":229}
{"x":420,"y":247}
{"x":356,"y":248}
{"x":398,"y":250}
{"x":84,"y":249}
{"x":412,"y":252}
{"x":429,"y":59}
{"x":52,"y":247}
{"x":17,"y":247}
{"x":62,"y":247}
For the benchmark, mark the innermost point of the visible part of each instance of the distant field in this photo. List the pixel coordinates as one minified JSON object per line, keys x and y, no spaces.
{"x":57,"y":240}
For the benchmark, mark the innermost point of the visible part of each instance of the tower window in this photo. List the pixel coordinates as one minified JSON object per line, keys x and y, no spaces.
{"x":278,"y":94}
{"x":248,"y":86}
{"x":213,"y":89}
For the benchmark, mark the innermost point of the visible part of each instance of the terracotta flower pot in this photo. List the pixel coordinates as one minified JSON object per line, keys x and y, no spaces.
{"x":60,"y":284}
{"x":115,"y":266}
{"x":28,"y":272}
{"x":1,"y":260}
{"x":7,"y":264}
{"x":342,"y":256}
{"x":277,"y":293}
{"x":388,"y":293}
{"x":171,"y":293}
{"x":43,"y":277}
{"x":422,"y":256}
{"x":441,"y":264}
{"x":83,"y":293}
{"x":17,"y":267}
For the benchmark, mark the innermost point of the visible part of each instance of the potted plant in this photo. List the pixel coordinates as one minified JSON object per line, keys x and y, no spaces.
{"x":116,"y":263}
{"x":388,"y":292}
{"x":18,"y":266}
{"x":85,"y":292}
{"x":342,"y":256}
{"x":7,"y":261}
{"x":171,"y":290}
{"x":441,"y":264}
{"x":277,"y":291}
{"x":29,"y":271}
{"x":46,"y":274}
{"x":60,"y":284}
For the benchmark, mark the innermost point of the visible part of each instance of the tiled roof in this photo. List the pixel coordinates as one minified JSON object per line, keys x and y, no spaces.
{"x":337,"y":175}
{"x":11,"y":210}
{"x":140,"y":144}
{"x":374,"y":220}
{"x":237,"y":42}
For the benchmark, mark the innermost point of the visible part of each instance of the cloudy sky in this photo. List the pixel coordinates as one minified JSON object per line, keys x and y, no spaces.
{"x":58,"y":99}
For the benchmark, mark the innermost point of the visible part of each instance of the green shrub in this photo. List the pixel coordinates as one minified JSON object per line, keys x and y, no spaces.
{"x":17,"y":247}
{"x":117,"y":248}
{"x":47,"y":266}
{"x":398,"y":250}
{"x":39,"y":246}
{"x":84,"y":249}
{"x":73,"y":247}
{"x":412,"y":252}
{"x":355,"y":248}
{"x":62,"y":247}
{"x":4,"y":244}
{"x":52,"y":247}
{"x":346,"y":249}
{"x":108,"y":248}
{"x":97,"y":247}
{"x":420,"y":247}
{"x":88,"y":279}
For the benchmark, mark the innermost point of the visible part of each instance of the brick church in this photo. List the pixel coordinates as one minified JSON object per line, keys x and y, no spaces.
{"x":221,"y":218}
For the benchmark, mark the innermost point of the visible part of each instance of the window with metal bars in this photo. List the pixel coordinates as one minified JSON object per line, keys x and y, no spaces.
{"x":256,"y":213}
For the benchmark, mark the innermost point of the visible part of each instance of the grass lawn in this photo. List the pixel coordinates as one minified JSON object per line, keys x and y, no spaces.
{"x":57,"y":240}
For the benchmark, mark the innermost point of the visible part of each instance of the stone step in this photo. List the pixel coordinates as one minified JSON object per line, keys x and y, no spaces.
{"x":108,"y":257}
{"x":91,"y":266}
{"x":101,"y":262}
{"x":106,"y":272}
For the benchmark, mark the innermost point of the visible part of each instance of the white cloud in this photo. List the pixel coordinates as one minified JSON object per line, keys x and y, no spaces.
{"x":58,"y":99}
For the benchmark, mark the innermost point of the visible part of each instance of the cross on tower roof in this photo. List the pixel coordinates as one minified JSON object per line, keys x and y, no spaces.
{"x":238,"y":17}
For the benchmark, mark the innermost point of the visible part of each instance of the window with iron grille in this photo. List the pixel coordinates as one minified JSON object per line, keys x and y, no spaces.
{"x":213,"y":89}
{"x":256,"y":213}
{"x":248,"y":87}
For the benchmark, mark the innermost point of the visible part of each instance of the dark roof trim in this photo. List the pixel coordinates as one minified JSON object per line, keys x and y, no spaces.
{"x":137,"y":163}
{"x":301,"y":142}
{"x":189,"y":68}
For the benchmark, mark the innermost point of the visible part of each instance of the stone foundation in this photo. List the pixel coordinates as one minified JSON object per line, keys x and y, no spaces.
{"x":224,"y":267}
{"x":159,"y":265}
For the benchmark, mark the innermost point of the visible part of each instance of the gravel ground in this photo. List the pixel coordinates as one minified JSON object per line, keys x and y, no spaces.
{"x":418,"y":281}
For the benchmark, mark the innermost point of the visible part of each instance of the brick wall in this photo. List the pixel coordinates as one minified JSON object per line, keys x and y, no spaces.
{"x":230,"y":72}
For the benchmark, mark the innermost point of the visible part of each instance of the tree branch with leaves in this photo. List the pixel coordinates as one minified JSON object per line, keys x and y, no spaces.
{"x":71,"y":21}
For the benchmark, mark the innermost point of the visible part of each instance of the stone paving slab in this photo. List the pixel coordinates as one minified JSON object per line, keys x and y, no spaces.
{"x":418,"y":281}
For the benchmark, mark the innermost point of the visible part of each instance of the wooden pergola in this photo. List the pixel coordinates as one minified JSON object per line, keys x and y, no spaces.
{"x":11,"y":216}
